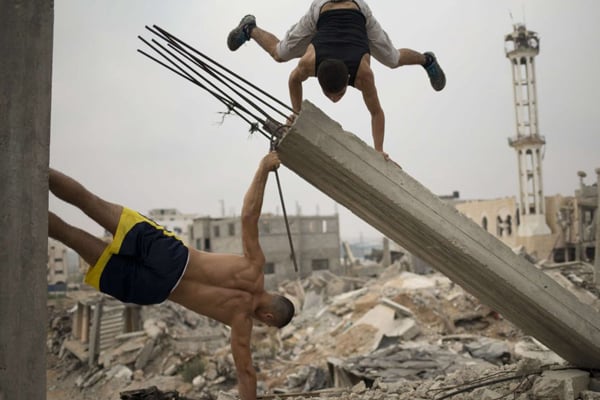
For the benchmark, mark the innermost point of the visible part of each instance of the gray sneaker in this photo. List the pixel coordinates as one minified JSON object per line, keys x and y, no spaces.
{"x":435,"y":73}
{"x":241,"y":34}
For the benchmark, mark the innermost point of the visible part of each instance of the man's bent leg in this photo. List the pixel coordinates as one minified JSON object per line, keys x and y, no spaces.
{"x":247,"y":30}
{"x":427,"y":60}
{"x":384,"y":51}
{"x":89,"y":247}
{"x":410,"y":57}
{"x":267,"y":41}
{"x":103,"y":212}
{"x":294,"y":43}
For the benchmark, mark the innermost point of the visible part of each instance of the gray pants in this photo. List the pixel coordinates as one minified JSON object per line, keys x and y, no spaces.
{"x":299,"y":36}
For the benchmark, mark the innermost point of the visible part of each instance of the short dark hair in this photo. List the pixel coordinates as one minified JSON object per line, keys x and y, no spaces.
{"x":332,"y":75}
{"x":283,"y":310}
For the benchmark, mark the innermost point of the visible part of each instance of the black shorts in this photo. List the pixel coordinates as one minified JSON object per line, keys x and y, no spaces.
{"x":143,"y":263}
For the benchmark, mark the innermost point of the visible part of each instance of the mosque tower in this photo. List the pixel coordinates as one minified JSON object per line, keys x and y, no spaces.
{"x":521,"y":48}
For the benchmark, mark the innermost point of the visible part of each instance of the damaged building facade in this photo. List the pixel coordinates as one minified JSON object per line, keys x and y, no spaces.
{"x":57,"y":271}
{"x":316,"y":241}
{"x":571,"y":220}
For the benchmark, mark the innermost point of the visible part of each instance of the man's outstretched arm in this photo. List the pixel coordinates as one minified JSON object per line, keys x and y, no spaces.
{"x":371,"y":99}
{"x":302,"y":72}
{"x":241,"y":331}
{"x":252,"y":206}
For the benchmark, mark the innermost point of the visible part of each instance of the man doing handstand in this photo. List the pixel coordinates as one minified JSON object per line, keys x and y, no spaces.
{"x":145,"y":264}
{"x":334,"y":41}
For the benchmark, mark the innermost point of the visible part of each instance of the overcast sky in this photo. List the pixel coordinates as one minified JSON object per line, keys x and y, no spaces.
{"x":138,"y":135}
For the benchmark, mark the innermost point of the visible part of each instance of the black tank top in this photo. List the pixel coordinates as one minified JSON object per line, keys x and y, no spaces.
{"x":341,"y":35}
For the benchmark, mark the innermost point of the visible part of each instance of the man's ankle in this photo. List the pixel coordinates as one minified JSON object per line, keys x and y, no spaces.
{"x":429,"y":59}
{"x":248,"y":28}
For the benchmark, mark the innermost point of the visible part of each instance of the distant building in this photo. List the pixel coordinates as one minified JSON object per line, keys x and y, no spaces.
{"x":578,"y":221}
{"x":570,"y":219}
{"x":57,"y":269}
{"x":316,"y":242}
{"x":500,"y":217}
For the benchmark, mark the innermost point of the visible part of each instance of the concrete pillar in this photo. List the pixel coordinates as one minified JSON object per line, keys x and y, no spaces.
{"x":77,"y":320}
{"x":94,"y":343}
{"x":26,"y":28}
{"x":85,"y":323}
{"x":386,"y":260}
{"x":597,"y":233}
{"x":579,"y":217}
{"x":381,"y":193}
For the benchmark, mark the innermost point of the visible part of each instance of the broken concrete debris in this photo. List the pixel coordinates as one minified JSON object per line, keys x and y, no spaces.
{"x":566,"y":384}
{"x":399,"y":336}
{"x":150,"y":394}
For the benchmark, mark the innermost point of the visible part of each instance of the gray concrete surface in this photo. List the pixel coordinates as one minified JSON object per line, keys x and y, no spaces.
{"x":26,"y":29}
{"x":351,"y":172}
{"x":597,"y":234}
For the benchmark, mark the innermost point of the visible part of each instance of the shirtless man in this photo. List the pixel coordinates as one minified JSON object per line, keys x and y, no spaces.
{"x":334,"y":41}
{"x":145,"y":264}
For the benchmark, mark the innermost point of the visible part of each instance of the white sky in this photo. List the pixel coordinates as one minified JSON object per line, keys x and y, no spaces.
{"x":138,"y":135}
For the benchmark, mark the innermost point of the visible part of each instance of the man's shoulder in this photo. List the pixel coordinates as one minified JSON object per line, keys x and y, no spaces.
{"x":364,"y":75}
{"x":306,"y":64}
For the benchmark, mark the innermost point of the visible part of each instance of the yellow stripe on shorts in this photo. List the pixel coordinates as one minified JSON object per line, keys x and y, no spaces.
{"x":127,"y":221}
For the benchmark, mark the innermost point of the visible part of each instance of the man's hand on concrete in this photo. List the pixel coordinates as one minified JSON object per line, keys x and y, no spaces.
{"x":385,"y":155}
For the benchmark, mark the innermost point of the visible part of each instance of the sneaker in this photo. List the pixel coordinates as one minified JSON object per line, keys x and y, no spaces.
{"x":241,"y":34}
{"x":435,"y":73}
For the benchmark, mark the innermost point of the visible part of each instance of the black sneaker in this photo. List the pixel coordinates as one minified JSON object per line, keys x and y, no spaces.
{"x":241,"y":34}
{"x":435,"y":72}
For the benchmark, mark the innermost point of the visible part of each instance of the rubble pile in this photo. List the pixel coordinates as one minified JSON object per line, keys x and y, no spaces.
{"x":59,"y":326}
{"x":397,"y":336}
{"x":150,"y":394}
{"x":581,"y":275}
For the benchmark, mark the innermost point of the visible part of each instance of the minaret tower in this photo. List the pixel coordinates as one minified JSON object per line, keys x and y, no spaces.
{"x":521,"y":48}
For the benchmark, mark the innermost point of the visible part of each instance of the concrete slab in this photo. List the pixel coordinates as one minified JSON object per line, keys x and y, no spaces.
{"x":351,"y":172}
{"x":565,"y":384}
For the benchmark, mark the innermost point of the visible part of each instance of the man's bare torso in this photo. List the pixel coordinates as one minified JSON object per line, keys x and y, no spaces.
{"x":219,"y":286}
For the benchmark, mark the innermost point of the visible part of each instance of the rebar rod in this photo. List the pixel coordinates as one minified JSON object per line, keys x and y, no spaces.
{"x":180,"y":65}
{"x":242,"y":79}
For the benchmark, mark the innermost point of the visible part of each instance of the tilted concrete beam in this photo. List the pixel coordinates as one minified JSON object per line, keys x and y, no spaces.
{"x":355,"y":175}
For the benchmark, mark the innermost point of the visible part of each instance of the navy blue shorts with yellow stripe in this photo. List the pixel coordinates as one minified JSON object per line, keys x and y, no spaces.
{"x":143,"y":263}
